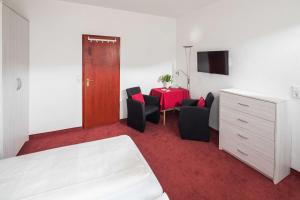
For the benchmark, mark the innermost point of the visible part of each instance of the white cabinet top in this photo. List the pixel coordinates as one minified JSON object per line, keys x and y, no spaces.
{"x":253,"y":95}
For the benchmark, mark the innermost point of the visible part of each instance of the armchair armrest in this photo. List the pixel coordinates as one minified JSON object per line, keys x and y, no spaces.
{"x":189,"y":102}
{"x":135,"y":107}
{"x":152,"y":100}
{"x":136,"y":114}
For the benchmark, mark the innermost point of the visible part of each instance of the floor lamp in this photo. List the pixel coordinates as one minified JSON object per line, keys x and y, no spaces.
{"x":188,"y":52}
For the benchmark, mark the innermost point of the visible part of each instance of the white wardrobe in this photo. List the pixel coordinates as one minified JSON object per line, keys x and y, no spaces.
{"x":14,"y":75}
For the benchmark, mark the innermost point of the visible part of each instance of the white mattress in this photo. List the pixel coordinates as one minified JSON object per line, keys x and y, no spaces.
{"x":108,"y":169}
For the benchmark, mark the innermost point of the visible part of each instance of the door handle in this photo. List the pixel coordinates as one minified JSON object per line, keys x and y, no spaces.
{"x":88,"y":82}
{"x":241,"y":152}
{"x":244,"y":105}
{"x":243,"y":121}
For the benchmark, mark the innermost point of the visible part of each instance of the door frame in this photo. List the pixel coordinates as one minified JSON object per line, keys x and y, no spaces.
{"x":84,"y":36}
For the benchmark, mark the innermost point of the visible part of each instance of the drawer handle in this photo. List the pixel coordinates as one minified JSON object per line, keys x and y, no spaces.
{"x":19,"y":82}
{"x":241,"y":152}
{"x":243,"y":137}
{"x":242,"y":104}
{"x":242,"y":121}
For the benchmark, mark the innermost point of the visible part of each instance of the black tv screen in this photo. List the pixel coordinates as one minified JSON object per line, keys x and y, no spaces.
{"x":215,"y":62}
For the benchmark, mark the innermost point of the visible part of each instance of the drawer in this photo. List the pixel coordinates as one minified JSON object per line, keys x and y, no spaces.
{"x":246,"y":137}
{"x":248,"y":155}
{"x":259,"y":108}
{"x":260,"y":127}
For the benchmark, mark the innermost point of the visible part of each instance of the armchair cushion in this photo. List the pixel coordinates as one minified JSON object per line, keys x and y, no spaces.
{"x":193,"y":102}
{"x":133,"y":91}
{"x":138,"y":97}
{"x":201,"y":102}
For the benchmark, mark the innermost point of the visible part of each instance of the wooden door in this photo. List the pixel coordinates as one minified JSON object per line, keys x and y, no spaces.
{"x":101,"y":80}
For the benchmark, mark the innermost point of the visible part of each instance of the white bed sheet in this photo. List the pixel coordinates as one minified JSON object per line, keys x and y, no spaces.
{"x":108,"y":169}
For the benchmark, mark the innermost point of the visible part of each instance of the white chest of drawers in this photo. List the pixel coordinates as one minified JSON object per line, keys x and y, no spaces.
{"x":254,"y":129}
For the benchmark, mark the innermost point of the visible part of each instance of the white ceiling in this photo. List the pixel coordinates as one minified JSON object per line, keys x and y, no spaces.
{"x":167,"y":8}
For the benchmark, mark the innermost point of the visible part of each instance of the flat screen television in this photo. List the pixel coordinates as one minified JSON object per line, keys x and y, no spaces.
{"x":214,"y":62}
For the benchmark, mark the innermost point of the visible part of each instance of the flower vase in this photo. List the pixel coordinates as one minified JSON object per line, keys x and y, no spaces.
{"x":166,"y":85}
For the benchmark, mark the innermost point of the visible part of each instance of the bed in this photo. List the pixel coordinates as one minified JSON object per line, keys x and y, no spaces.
{"x":110,"y":169}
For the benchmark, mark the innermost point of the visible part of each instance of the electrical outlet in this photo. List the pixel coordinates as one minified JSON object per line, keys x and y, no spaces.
{"x":296,"y":92}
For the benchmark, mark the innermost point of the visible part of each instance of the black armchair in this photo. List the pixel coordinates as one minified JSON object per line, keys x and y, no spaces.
{"x":193,"y":120}
{"x":139,"y":113}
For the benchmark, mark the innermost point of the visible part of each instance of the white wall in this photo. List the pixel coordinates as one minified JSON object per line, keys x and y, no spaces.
{"x":1,"y":89}
{"x":264,"y":42}
{"x":147,"y":51}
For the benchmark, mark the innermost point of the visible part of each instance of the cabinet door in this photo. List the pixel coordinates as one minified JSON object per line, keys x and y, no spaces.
{"x":15,"y":81}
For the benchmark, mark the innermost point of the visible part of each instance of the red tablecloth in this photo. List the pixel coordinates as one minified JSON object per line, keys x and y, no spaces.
{"x":171,"y":98}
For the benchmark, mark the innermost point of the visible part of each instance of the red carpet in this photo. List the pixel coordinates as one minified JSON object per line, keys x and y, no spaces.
{"x":187,"y":170}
